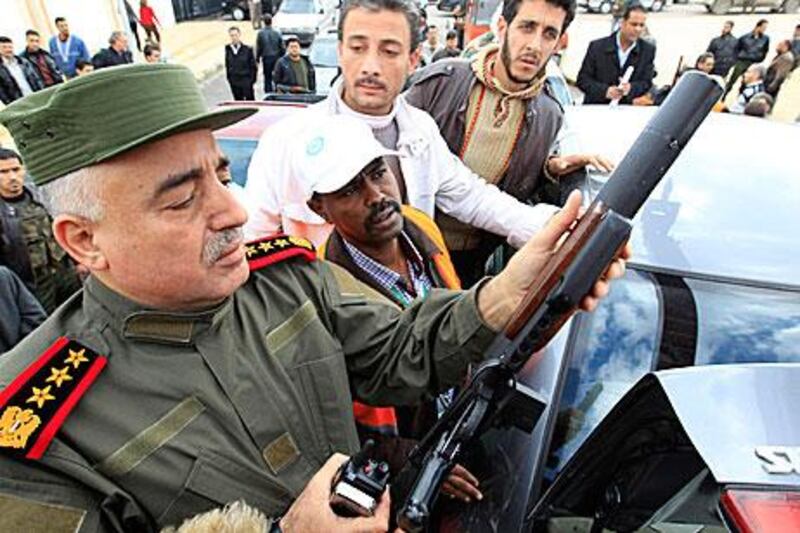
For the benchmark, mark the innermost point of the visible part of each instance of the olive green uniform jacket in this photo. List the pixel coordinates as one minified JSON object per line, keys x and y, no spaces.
{"x":245,"y":401}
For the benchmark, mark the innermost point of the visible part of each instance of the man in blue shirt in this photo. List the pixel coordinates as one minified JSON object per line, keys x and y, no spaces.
{"x":67,"y":49}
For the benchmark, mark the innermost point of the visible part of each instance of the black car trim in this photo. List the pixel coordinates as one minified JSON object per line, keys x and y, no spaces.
{"x":679,"y":323}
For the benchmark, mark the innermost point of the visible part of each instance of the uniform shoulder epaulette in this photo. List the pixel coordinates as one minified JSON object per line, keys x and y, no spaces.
{"x":36,"y":404}
{"x":279,"y":247}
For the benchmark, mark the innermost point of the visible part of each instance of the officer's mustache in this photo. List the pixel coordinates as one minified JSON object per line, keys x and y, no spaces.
{"x":220,"y":243}
{"x":379,"y":210}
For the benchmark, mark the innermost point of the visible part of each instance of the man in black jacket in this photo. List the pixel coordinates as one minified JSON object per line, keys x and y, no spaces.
{"x":724,"y":50}
{"x":269,"y":48}
{"x":117,"y":52}
{"x":240,"y":66}
{"x":750,"y":48}
{"x":294,"y":73}
{"x":18,"y":76}
{"x":41,"y":59}
{"x":608,"y":58}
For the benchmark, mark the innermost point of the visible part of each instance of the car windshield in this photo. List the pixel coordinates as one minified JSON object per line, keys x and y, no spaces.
{"x":323,"y":53}
{"x":653,"y":321}
{"x":298,"y":6}
{"x":239,"y":152}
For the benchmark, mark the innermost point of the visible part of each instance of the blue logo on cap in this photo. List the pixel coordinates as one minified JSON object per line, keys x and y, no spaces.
{"x":315,"y":146}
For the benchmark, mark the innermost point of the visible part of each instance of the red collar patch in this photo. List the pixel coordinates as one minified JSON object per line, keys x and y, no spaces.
{"x":277,"y":248}
{"x":36,"y":404}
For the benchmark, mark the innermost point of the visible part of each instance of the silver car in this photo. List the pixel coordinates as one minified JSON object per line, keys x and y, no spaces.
{"x":714,"y":281}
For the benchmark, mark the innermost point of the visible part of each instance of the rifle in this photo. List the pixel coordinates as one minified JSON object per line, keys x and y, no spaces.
{"x":492,"y":396}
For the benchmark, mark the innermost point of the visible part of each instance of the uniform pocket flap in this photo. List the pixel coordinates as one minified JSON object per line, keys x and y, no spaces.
{"x":224,"y":481}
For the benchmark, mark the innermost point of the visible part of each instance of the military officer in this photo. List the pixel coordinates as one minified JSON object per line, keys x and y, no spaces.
{"x":195,"y":370}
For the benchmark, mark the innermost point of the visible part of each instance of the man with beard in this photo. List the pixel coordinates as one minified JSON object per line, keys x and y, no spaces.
{"x":183,"y":376}
{"x":497,"y":114}
{"x":378,"y":49}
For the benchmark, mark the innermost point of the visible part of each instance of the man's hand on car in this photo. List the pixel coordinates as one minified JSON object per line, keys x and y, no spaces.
{"x":498,"y":299}
{"x":562,"y":165}
{"x":311,"y":511}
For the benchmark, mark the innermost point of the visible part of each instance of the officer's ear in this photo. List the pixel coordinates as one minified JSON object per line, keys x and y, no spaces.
{"x":317,"y":205}
{"x":76,"y":235}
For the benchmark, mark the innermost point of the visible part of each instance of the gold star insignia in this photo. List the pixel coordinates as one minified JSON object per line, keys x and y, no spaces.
{"x":265,"y":246}
{"x":59,"y":376}
{"x":40,"y":396}
{"x":281,"y":243}
{"x":76,"y":358}
{"x":299,"y":241}
{"x":251,"y":251}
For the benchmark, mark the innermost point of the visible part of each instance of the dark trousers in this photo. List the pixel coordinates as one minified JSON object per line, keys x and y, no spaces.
{"x":268,"y":62}
{"x":738,"y":69}
{"x":135,"y":31}
{"x":242,"y":91}
{"x":152,"y":30}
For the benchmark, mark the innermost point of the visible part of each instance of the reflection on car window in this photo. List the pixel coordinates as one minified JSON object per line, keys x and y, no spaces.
{"x":744,"y":324}
{"x":323,"y":53}
{"x":614,"y":347}
{"x":239,"y":151}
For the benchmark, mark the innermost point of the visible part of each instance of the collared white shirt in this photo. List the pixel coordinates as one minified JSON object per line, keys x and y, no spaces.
{"x":622,"y":55}
{"x":434,"y":178}
{"x":235,"y":48}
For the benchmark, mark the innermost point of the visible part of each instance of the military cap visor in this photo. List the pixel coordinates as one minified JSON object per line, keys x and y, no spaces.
{"x":94,"y":118}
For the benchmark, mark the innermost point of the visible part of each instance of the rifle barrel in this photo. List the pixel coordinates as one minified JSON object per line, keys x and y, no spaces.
{"x":659,"y":144}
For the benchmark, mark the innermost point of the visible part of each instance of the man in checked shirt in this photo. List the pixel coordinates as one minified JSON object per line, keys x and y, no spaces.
{"x":395,"y":249}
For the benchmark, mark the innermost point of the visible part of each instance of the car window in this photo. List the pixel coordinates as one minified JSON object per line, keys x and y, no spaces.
{"x":323,"y":53}
{"x":614,"y":347}
{"x":655,"y":321}
{"x":298,"y":6}
{"x":239,"y":151}
{"x":740,"y":324}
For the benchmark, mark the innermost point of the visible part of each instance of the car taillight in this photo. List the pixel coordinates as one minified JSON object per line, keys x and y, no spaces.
{"x":755,"y":511}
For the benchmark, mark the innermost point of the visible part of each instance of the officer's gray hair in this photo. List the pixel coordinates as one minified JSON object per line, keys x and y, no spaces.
{"x":77,"y":193}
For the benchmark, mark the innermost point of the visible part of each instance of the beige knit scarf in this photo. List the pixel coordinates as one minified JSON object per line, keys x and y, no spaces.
{"x":483,"y":67}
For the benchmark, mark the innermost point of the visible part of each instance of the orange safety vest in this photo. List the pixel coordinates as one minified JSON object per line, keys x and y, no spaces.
{"x":383,"y":420}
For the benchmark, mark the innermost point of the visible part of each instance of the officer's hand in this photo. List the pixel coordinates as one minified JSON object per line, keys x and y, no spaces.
{"x":462,"y":484}
{"x":625,"y":88}
{"x":311,"y":511}
{"x":501,"y":295}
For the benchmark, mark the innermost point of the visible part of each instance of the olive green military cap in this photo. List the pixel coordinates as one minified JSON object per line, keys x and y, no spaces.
{"x":104,"y":114}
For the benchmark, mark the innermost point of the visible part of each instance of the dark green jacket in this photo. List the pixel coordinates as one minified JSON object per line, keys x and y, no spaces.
{"x":244,"y":401}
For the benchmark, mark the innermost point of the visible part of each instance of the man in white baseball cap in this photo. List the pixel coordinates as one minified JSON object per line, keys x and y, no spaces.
{"x":395,"y":249}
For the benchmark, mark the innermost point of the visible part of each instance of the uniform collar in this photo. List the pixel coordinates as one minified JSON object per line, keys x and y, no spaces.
{"x":134,"y":321}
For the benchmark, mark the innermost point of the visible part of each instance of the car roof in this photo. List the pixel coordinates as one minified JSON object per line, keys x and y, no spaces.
{"x":253,"y":126}
{"x":728,"y":208}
